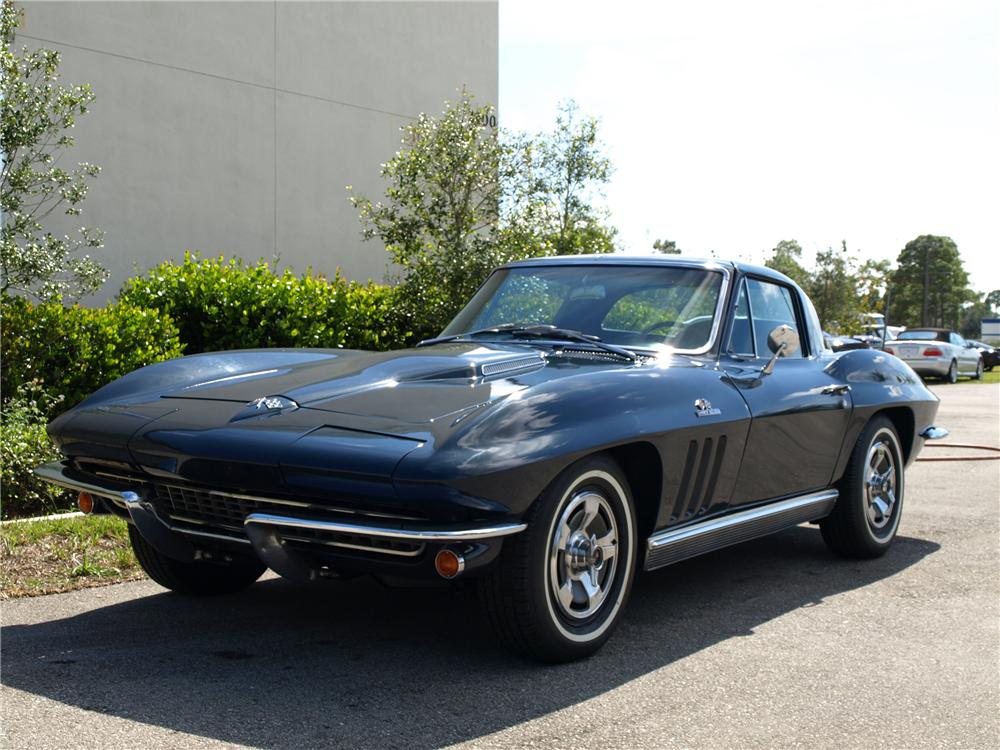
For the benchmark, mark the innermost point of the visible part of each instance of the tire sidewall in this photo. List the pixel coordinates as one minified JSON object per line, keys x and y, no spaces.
{"x":596,"y":473}
{"x":879,"y":429}
{"x":952,"y":376}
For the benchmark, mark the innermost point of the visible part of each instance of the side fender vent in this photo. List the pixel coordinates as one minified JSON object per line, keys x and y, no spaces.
{"x":701,"y":472}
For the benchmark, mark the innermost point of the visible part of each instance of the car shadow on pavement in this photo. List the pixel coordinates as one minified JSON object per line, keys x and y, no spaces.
{"x":354,"y":664}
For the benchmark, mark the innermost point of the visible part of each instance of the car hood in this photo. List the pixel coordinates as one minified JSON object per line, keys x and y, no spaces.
{"x":412,"y":385}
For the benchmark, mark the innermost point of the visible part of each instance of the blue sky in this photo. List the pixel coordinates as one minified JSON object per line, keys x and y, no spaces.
{"x":733,"y":125}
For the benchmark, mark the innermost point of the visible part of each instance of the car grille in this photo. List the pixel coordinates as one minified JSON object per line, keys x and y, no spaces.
{"x":198,"y":510}
{"x":201,"y":506}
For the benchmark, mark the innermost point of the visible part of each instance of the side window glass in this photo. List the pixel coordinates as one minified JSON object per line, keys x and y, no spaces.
{"x":771,"y":305}
{"x":741,"y":338}
{"x":957,"y":340}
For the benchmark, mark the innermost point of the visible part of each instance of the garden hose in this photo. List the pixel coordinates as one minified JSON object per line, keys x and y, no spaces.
{"x":967,"y":446}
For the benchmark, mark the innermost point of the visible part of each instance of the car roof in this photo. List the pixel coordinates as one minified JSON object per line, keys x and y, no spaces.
{"x":928,"y":328}
{"x":623,"y":259}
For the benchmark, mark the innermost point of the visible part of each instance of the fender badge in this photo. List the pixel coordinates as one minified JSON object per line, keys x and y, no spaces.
{"x":703,"y":408}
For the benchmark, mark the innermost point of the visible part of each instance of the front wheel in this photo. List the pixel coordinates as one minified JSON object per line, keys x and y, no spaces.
{"x":866,"y":517}
{"x":561,"y":585}
{"x":199,"y":577}
{"x":979,"y":370}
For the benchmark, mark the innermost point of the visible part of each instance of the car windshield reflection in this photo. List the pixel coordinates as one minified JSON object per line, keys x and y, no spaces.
{"x":660,"y":308}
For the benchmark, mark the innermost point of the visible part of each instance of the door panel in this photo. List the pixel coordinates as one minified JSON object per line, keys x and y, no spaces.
{"x":798,"y":414}
{"x":796,"y":430}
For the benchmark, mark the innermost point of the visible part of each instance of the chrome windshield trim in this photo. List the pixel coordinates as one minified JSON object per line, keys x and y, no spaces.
{"x":467,"y":534}
{"x":720,"y":307}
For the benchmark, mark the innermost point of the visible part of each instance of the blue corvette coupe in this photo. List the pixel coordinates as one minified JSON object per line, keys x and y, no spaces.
{"x":581,"y":419}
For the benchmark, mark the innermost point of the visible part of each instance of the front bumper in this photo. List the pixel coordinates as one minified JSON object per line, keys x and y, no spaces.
{"x":294,"y":546}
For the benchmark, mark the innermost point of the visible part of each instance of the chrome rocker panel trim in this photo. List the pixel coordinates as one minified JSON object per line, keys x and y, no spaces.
{"x":673,"y":545}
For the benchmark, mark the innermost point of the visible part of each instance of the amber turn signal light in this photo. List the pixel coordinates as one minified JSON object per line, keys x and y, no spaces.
{"x":85,"y":502}
{"x":448,"y":564}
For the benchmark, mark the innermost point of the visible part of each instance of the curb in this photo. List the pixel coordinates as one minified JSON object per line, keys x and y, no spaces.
{"x":52,"y":517}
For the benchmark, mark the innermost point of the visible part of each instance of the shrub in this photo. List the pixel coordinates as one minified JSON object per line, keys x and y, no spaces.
{"x":219,"y":304}
{"x":24,"y":445}
{"x":73,"y":351}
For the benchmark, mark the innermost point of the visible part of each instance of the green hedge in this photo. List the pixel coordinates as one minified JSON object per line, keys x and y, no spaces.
{"x":70,"y":352}
{"x":23,"y":446}
{"x":219,"y":304}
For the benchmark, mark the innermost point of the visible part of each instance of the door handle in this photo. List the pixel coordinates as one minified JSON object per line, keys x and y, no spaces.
{"x":836,"y":390}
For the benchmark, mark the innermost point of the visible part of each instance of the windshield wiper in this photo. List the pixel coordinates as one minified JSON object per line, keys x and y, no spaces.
{"x":539,"y":330}
{"x":553,"y":332}
{"x":456,"y":336}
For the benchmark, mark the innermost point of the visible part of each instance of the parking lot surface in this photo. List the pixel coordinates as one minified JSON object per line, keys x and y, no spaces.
{"x":772,"y":644}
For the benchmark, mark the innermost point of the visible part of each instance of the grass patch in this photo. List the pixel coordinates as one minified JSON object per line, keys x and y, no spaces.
{"x":47,"y":557}
{"x":990,"y":377}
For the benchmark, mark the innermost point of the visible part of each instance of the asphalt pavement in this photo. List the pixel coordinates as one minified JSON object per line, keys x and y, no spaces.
{"x":772,"y":644}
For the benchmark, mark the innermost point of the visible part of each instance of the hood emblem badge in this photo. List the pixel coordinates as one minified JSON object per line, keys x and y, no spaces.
{"x":265,"y":406}
{"x":703,"y":408}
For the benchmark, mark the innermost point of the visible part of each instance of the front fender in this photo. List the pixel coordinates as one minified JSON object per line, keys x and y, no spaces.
{"x":512,"y":451}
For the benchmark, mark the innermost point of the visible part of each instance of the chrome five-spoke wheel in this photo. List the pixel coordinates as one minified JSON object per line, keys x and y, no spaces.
{"x":865,"y":519}
{"x":560,"y":586}
{"x":880,"y":484}
{"x":583,"y":555}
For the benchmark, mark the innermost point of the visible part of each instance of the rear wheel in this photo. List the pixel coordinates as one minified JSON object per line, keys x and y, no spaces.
{"x":952,"y":376}
{"x":199,"y":577}
{"x":866,"y":517}
{"x":560,"y":586}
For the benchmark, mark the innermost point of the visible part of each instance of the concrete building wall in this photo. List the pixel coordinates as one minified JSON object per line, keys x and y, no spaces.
{"x":234,"y":127}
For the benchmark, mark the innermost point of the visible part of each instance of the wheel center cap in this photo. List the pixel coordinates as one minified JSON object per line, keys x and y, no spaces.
{"x":583,"y":553}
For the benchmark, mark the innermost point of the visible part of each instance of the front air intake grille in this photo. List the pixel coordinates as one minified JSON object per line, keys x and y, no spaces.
{"x":509,"y":366}
{"x":205,"y":507}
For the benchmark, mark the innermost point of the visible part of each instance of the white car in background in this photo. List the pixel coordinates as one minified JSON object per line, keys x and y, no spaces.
{"x":937,"y":352}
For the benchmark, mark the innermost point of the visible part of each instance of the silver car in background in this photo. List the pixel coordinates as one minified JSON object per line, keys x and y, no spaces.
{"x":938,"y":352}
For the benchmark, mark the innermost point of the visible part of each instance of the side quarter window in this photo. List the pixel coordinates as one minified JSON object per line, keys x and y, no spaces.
{"x":741,"y":337}
{"x":772,"y":305}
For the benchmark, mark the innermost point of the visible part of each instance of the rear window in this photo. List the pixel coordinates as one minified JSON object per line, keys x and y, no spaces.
{"x":923,"y":336}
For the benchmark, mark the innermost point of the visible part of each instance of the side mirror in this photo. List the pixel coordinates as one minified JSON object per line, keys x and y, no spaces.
{"x":783,"y":341}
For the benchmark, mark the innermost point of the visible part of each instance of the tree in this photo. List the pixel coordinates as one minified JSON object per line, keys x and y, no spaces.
{"x":971,"y":325}
{"x":572,"y":171}
{"x":440,"y":219}
{"x":871,"y":283}
{"x":667,"y":247}
{"x":840,"y":286}
{"x":785,"y":257}
{"x":832,"y":288}
{"x":37,"y":113}
{"x":929,"y":285}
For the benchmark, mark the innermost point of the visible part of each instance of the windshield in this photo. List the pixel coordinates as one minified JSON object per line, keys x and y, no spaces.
{"x":920,"y":336}
{"x":634,"y":306}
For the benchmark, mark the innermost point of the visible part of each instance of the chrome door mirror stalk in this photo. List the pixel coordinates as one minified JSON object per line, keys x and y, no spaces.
{"x":783,"y":341}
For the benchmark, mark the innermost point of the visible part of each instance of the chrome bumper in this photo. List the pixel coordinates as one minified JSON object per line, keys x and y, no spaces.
{"x":266,"y":532}
{"x":933,"y":433}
